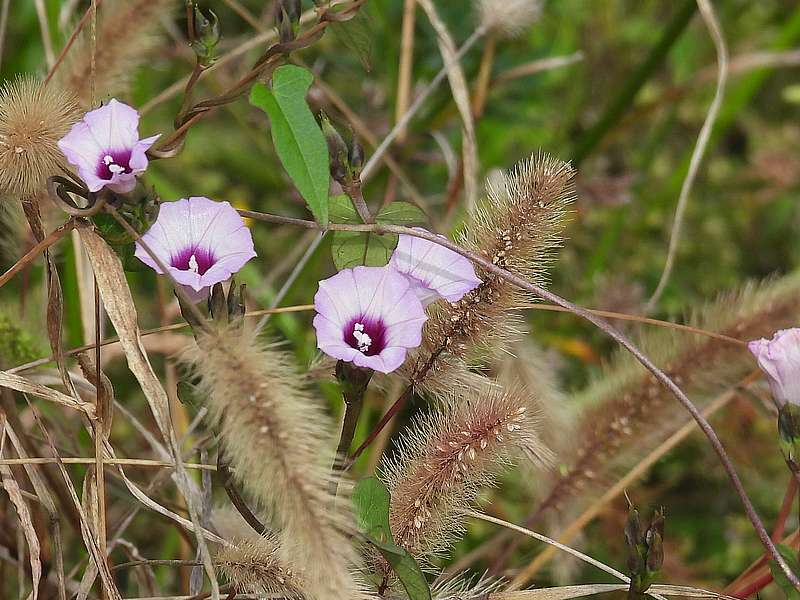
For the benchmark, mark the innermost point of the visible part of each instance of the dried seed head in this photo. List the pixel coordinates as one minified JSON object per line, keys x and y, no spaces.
{"x":509,"y":18}
{"x":254,"y":565}
{"x":126,"y":34}
{"x":279,"y":444}
{"x":33,"y":117}
{"x":626,"y":408}
{"x":517,"y":227}
{"x":447,"y":456}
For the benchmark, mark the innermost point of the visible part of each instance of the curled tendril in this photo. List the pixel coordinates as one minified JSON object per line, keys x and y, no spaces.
{"x":60,"y":190}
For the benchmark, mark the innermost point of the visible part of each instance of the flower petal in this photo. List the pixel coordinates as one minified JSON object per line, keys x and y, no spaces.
{"x":114,"y":126}
{"x":435,"y":271}
{"x":779,"y":358}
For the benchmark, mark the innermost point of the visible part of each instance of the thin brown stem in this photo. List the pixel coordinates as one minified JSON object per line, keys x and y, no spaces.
{"x":236,"y":498}
{"x":34,"y":252}
{"x":78,"y":28}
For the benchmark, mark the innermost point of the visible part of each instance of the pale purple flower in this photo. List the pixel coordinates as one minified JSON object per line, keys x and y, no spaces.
{"x":200,"y":241}
{"x":369,"y":316}
{"x":105,"y":148}
{"x":433,"y":270}
{"x":779,"y":358}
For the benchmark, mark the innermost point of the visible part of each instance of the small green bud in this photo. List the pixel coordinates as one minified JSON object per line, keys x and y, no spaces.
{"x":655,"y":553}
{"x":206,"y":36}
{"x":356,"y":158}
{"x":337,"y":150}
{"x":236,"y":302}
{"x":287,"y":17}
{"x":217,"y":305}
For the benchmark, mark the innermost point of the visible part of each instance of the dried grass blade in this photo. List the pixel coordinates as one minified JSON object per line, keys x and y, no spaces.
{"x":23,"y":512}
{"x":458,"y":85}
{"x":26,"y":386}
{"x":121,"y":310}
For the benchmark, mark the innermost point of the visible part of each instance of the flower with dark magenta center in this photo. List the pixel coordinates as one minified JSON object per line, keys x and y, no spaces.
{"x":369,"y":316}
{"x":433,"y":270}
{"x":201,"y":242}
{"x":105,"y":148}
{"x":779,"y":358}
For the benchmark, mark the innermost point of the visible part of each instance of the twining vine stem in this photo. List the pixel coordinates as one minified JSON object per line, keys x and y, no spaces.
{"x":620,"y":338}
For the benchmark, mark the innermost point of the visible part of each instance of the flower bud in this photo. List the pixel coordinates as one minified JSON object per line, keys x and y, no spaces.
{"x":287,"y":17}
{"x":337,"y":149}
{"x":655,"y":554}
{"x":206,"y":36}
{"x":356,"y":157}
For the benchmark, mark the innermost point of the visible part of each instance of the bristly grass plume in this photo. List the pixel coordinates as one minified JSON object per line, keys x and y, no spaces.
{"x":254,"y":566}
{"x":126,"y":34}
{"x":447,"y":456}
{"x":279,"y":444}
{"x":627,"y":408}
{"x":517,"y":227}
{"x":33,"y":117}
{"x":508,"y":18}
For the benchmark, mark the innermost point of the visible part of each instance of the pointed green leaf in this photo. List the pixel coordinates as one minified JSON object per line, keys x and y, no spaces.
{"x":352,"y":249}
{"x":356,"y":35}
{"x":298,"y":139}
{"x":371,"y":501}
{"x":778,"y":575}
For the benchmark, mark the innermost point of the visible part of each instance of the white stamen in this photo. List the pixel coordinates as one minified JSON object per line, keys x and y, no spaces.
{"x":108,"y":161}
{"x":193,"y":266}
{"x":362,"y":339}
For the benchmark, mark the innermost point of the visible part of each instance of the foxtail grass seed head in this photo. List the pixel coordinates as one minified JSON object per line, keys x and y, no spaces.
{"x":446,"y":457}
{"x":254,"y":566}
{"x":627,"y":408}
{"x":779,"y":358}
{"x":509,"y":18}
{"x":433,"y":270}
{"x":127,"y":33}
{"x":517,"y":228}
{"x":105,"y":148}
{"x":279,"y":444}
{"x":202,"y":242}
{"x":33,"y":117}
{"x":369,"y":316}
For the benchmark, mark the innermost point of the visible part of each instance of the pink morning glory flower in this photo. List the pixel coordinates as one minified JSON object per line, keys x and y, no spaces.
{"x":369,"y":316}
{"x":200,"y":241}
{"x":105,"y":148}
{"x":433,"y":270}
{"x":779,"y":358}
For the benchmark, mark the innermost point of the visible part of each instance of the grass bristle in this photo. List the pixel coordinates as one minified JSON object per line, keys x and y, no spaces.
{"x":127,"y":32}
{"x":517,"y":227}
{"x":33,"y":117}
{"x":279,"y":444}
{"x":254,"y":566}
{"x":446,"y":457}
{"x":627,"y":407}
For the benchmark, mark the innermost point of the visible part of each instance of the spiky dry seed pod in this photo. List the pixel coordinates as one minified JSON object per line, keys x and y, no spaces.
{"x":508,"y":18}
{"x":33,"y":117}
{"x":627,"y":406}
{"x":445,"y":458}
{"x":127,"y":32}
{"x":279,"y":445}
{"x":517,"y":228}
{"x":254,"y":566}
